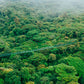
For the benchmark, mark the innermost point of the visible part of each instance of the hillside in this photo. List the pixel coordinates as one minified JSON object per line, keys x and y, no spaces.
{"x":25,"y":28}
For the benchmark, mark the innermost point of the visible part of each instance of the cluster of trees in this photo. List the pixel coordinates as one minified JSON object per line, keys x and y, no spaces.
{"x":21,"y":29}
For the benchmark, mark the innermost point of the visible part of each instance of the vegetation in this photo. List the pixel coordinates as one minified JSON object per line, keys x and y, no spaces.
{"x":22,"y":28}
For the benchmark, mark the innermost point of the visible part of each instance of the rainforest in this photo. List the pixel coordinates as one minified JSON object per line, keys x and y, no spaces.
{"x":41,"y":42}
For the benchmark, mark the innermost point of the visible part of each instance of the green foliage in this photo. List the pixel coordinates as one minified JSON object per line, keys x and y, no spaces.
{"x":17,"y":31}
{"x":2,"y":45}
{"x":24,"y":28}
{"x":38,"y":38}
{"x":77,"y":63}
{"x":25,"y":76}
{"x":1,"y":81}
{"x":52,"y":57}
{"x":12,"y":78}
{"x":37,"y":59}
{"x":65,"y":74}
{"x":31,"y":33}
{"x":44,"y":80}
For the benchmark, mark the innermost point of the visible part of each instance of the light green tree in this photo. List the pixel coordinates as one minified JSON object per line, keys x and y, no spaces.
{"x":65,"y":74}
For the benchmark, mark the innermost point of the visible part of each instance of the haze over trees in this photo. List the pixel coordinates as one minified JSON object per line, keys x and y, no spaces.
{"x":33,"y":24}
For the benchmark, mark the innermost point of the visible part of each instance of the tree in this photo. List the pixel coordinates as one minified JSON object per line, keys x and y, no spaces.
{"x":65,"y":74}
{"x":77,"y":63}
{"x":1,"y":81}
{"x":44,"y":80}
{"x":72,"y":82}
{"x":52,"y":57}
{"x":37,"y":59}
{"x":25,"y":76}
{"x":30,"y":82}
{"x":38,"y":38}
{"x":18,"y":63}
{"x":12,"y":78}
{"x":16,"y":31}
{"x":2,"y":45}
{"x":21,"y":39}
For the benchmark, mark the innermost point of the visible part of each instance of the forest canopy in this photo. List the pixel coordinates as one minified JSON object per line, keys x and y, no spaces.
{"x":41,"y":42}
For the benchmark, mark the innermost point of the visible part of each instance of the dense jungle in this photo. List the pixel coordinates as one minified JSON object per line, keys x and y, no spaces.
{"x":41,"y":42}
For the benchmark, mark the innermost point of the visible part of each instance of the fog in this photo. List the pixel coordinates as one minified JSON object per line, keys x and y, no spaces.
{"x":52,"y":6}
{"x":58,"y":6}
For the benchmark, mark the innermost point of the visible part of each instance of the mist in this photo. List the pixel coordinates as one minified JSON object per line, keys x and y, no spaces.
{"x":54,"y":6}
{"x":74,"y":6}
{"x":51,"y":6}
